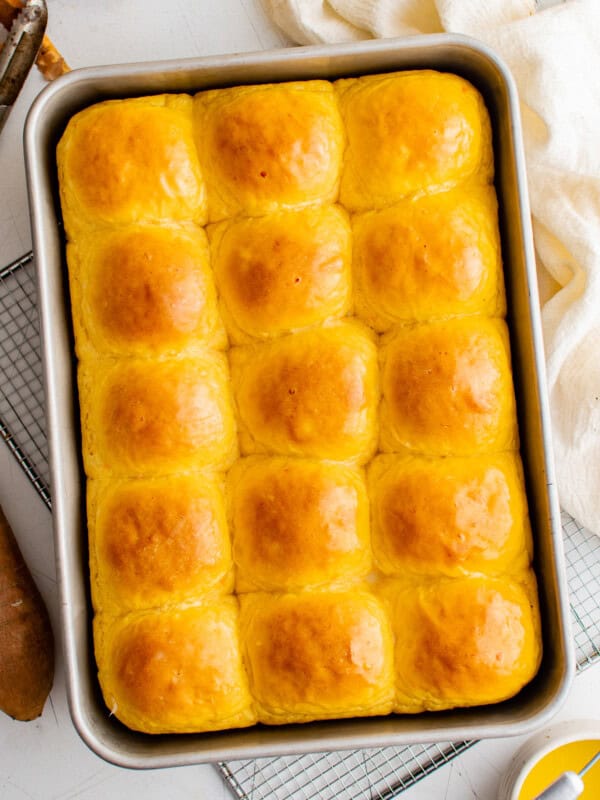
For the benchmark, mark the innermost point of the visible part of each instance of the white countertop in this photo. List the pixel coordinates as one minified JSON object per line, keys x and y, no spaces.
{"x":45,"y":759}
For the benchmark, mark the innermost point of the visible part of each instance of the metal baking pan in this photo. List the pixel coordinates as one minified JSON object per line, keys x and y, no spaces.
{"x":537,"y":703}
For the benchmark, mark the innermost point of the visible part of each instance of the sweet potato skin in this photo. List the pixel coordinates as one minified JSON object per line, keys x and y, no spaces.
{"x":26,"y":639}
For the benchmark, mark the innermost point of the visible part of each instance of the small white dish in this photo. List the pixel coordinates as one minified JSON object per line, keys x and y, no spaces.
{"x":540,"y":745}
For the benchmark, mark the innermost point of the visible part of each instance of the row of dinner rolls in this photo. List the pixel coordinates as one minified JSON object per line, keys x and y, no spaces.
{"x":303,"y":524}
{"x":305,"y":497}
{"x":252,"y":150}
{"x":443,"y":389}
{"x":319,"y":654}
{"x":432,"y":258}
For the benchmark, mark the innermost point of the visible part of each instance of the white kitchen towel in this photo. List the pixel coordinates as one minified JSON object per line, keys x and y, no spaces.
{"x":554,"y":55}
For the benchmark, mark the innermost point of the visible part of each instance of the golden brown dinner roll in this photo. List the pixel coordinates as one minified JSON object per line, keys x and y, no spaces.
{"x":313,"y":393}
{"x":449,"y":516}
{"x":269,"y":147}
{"x":447,"y":388}
{"x":143,"y":290}
{"x":174,"y":670}
{"x":297,"y":523}
{"x":464,"y":642}
{"x":130,"y":160}
{"x":157,"y":541}
{"x":430,"y":258}
{"x":150,"y":417}
{"x":282,"y":272}
{"x":317,"y":655}
{"x":411,"y":133}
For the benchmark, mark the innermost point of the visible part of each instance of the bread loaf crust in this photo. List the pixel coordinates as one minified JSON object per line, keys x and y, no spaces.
{"x":299,"y":424}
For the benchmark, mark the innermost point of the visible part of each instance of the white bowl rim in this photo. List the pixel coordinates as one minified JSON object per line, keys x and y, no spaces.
{"x":539,"y":745}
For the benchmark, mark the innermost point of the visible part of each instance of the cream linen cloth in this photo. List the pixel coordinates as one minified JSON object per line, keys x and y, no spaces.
{"x":554,"y":55}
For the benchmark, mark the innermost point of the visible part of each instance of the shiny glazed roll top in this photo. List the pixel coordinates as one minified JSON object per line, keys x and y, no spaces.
{"x":411,"y":133}
{"x":314,"y":393}
{"x":134,"y":160}
{"x":269,"y":147}
{"x":447,"y":388}
{"x":157,"y":541}
{"x":317,"y":655}
{"x":431,"y":258}
{"x":282,"y":272}
{"x":464,"y":642}
{"x":175,"y":670}
{"x":142,"y":417}
{"x":449,"y":516}
{"x":297,"y":523}
{"x":144,"y":290}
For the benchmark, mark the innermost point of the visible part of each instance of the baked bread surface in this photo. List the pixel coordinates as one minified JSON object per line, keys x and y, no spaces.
{"x":283,"y":272}
{"x":174,"y":670}
{"x":144,"y":290}
{"x":431,"y":258}
{"x":313,"y":393}
{"x":146,"y":417}
{"x":305,"y":498}
{"x":133,"y":161}
{"x":157,"y":541}
{"x":409,"y":134}
{"x":447,"y":388}
{"x":269,"y":147}
{"x":317,"y":655}
{"x":449,"y":516}
{"x":472,"y":641}
{"x":298,"y":523}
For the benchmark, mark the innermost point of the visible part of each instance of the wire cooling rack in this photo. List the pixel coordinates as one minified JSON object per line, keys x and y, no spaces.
{"x":380,"y":774}
{"x":22,"y":420}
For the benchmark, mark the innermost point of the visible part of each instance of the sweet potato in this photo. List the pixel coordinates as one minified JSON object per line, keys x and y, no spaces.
{"x":26,"y":640}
